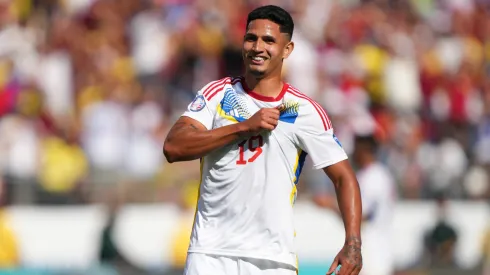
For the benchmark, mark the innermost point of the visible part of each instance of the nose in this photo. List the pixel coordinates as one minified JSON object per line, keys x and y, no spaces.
{"x":258,"y":46}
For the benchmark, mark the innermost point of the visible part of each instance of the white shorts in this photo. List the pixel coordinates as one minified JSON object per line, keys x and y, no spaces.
{"x":206,"y":264}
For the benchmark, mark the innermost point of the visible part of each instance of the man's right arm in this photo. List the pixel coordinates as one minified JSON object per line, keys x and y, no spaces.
{"x":189,"y":139}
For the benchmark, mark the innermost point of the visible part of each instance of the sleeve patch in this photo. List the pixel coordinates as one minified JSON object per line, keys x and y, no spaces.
{"x":197,"y":104}
{"x":337,"y":140}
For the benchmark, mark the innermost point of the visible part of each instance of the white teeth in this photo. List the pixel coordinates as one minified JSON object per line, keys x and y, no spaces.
{"x":257,"y":58}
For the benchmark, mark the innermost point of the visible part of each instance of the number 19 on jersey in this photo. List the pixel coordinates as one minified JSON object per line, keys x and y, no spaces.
{"x":254,"y":145}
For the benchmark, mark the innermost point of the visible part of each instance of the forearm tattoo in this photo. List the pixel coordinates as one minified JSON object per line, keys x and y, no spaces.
{"x":181,"y":126}
{"x":184,"y":125}
{"x":352,"y":251}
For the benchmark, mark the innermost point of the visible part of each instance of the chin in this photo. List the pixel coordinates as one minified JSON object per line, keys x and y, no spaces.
{"x":255,"y":72}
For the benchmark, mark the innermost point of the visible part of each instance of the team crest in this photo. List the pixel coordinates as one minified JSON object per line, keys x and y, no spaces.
{"x":197,"y":104}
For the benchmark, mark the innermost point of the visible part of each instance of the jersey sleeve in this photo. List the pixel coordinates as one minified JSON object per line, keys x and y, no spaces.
{"x":201,"y":110}
{"x":316,"y":137}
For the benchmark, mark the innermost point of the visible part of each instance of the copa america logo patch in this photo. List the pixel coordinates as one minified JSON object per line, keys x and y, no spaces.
{"x":197,"y":104}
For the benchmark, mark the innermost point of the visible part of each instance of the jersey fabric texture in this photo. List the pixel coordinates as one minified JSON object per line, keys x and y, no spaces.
{"x":248,"y":188}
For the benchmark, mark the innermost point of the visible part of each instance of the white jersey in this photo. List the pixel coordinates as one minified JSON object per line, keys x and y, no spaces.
{"x":378,"y":202}
{"x":248,"y":188}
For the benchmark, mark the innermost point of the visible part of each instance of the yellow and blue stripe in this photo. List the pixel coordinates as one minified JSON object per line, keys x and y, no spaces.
{"x":224,"y":115}
{"x":298,"y":167}
{"x":201,"y":167}
{"x":300,"y":161}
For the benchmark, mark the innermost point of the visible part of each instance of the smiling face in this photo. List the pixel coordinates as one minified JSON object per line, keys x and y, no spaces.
{"x":264,"y":48}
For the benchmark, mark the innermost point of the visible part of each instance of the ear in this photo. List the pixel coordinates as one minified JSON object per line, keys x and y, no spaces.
{"x":288,"y":49}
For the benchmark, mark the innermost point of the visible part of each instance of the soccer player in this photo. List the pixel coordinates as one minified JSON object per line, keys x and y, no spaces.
{"x":252,"y":135}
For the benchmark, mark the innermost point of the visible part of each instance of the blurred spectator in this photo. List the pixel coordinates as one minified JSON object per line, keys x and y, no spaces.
{"x":182,"y":235}
{"x":440,"y":241}
{"x":378,"y":192}
{"x":144,"y":156}
{"x":9,"y":254}
{"x":151,"y":45}
{"x":476,"y":183}
{"x":105,"y":138}
{"x":110,"y":255}
{"x":63,"y":168}
{"x":20,"y":135}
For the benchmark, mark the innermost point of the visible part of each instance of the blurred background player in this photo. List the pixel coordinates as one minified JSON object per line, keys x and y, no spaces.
{"x":440,"y":241}
{"x":378,"y":201}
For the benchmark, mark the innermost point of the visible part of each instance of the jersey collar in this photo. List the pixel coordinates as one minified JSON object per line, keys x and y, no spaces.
{"x":261,"y":97}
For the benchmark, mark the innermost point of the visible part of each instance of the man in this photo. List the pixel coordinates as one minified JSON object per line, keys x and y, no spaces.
{"x":440,"y":241}
{"x":252,"y":135}
{"x":378,"y":201}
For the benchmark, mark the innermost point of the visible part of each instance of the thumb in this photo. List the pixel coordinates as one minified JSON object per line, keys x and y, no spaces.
{"x":333,"y":266}
{"x":280,"y":107}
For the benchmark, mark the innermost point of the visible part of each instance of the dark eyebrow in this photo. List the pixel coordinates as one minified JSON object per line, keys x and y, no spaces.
{"x":269,"y":38}
{"x":250,"y":35}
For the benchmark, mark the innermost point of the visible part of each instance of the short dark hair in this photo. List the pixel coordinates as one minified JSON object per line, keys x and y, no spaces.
{"x":367,"y":142}
{"x":275,"y":14}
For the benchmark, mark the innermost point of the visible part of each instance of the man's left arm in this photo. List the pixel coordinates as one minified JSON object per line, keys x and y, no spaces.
{"x":349,"y":201}
{"x":315,"y":135}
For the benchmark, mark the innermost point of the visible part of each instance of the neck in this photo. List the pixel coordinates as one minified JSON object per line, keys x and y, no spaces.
{"x":367,"y":161}
{"x":269,"y":86}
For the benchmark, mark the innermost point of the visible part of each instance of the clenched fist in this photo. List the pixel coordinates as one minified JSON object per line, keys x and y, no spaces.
{"x":264,"y":119}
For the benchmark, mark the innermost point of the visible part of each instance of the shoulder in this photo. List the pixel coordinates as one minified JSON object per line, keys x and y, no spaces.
{"x":310,"y":110}
{"x":384,"y":172}
{"x":213,"y":89}
{"x":381,"y":174}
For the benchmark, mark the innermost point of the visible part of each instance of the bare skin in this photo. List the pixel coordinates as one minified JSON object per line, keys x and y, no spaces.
{"x":349,"y":201}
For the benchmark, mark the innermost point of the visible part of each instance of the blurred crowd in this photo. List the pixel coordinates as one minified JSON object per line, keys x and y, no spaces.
{"x":89,"y":88}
